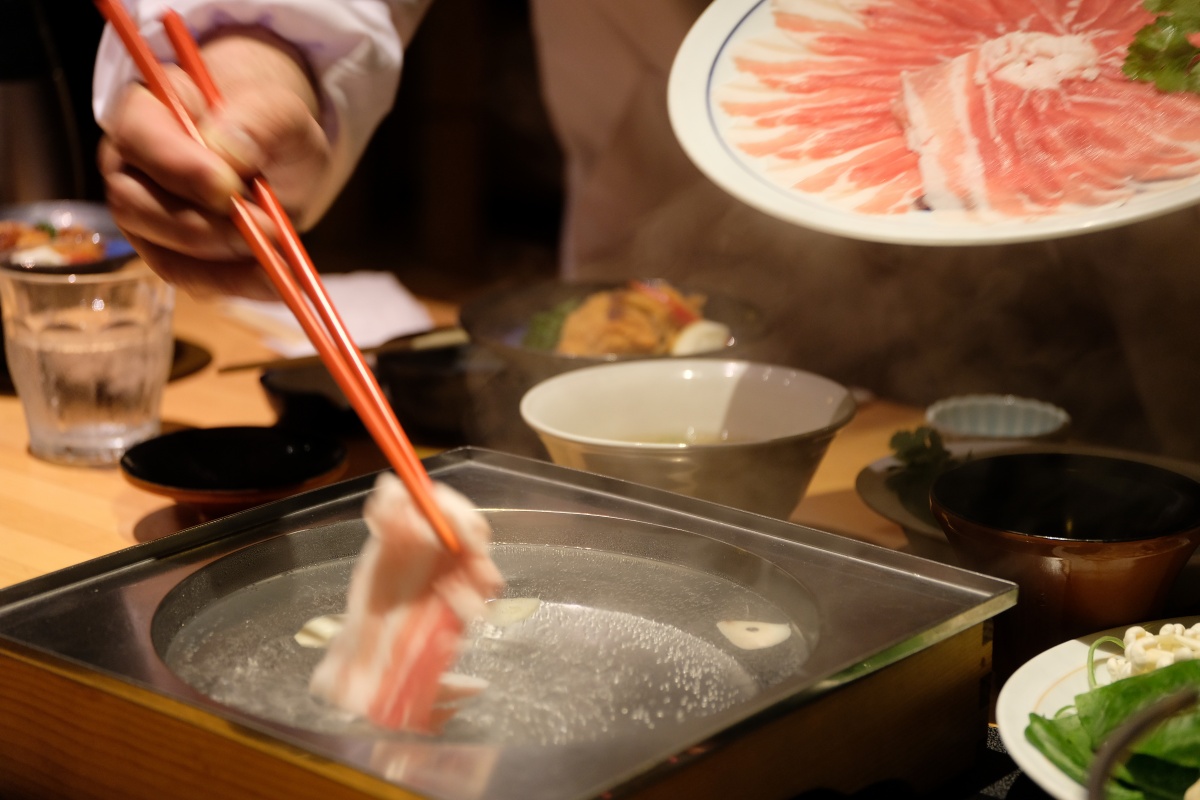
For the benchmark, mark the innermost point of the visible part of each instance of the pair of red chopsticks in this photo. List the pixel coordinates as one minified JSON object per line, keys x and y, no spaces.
{"x":324,"y":327}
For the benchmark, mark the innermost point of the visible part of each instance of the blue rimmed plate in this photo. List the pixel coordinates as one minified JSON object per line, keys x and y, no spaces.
{"x":705,"y":79}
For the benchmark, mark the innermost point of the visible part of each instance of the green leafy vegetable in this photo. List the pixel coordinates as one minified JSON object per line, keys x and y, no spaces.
{"x":1163,"y":52}
{"x":1062,"y":740}
{"x":545,"y":327}
{"x":1104,"y":708}
{"x":1156,"y":777}
{"x":922,"y":457}
{"x":1164,"y":763}
{"x":921,"y":449}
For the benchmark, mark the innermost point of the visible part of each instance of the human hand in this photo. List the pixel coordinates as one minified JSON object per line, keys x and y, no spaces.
{"x":172,"y":197}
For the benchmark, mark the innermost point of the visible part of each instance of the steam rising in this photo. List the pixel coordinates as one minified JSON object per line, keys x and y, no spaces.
{"x":1104,"y":324}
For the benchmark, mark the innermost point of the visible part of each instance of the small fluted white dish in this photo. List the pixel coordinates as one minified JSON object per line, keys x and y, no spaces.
{"x":997,"y":416}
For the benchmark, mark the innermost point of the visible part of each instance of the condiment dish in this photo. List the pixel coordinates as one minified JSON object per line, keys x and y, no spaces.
{"x":997,"y":416}
{"x":233,"y":467}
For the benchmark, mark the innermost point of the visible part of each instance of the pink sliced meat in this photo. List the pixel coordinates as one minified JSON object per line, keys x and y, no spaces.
{"x":1030,"y":123}
{"x":912,"y":104}
{"x":407,"y":607}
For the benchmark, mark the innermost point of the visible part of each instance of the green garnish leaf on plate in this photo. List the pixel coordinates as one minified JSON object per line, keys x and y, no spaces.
{"x":545,"y":327}
{"x":922,"y":456}
{"x":921,"y":449}
{"x":1163,"y":52}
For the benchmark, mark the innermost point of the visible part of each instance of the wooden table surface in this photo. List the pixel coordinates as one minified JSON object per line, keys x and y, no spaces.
{"x":54,"y":516}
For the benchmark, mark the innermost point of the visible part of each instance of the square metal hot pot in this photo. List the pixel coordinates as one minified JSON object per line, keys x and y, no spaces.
{"x":169,"y":669}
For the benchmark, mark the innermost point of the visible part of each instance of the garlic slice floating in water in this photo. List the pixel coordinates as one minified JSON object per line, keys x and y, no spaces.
{"x":454,"y":687}
{"x":701,"y":336}
{"x":749,"y":635}
{"x":455,"y":691}
{"x":510,"y":610}
{"x":318,"y":632}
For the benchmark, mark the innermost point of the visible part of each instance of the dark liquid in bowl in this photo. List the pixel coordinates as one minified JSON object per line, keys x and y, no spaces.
{"x":1092,"y":542}
{"x":1063,"y":496}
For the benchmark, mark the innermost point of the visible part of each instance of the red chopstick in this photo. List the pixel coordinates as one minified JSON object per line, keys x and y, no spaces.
{"x":324,"y":328}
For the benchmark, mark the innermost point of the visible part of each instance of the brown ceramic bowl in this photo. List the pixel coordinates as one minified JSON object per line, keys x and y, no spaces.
{"x":1092,"y":542}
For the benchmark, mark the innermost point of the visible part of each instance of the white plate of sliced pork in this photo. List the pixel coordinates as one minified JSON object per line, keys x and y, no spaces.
{"x":935,"y":122}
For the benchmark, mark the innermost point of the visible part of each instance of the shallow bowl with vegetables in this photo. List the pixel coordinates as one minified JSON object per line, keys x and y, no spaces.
{"x":1091,"y":541}
{"x":524,"y":323}
{"x":735,"y":432}
{"x":522,"y":327}
{"x":69,"y":236}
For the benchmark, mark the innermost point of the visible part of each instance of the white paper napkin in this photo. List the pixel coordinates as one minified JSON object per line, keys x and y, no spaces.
{"x":374,"y":306}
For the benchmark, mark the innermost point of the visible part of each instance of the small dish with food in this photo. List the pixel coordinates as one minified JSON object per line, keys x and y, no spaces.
{"x":552,"y":326}
{"x":649,"y":318}
{"x":1058,"y":707}
{"x":61,"y":236}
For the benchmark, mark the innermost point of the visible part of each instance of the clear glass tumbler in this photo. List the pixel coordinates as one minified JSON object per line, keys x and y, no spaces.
{"x":89,"y":354}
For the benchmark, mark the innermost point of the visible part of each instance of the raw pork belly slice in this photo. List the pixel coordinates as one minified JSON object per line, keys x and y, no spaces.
{"x":996,"y":107}
{"x":1026,"y":124}
{"x":407,"y":607}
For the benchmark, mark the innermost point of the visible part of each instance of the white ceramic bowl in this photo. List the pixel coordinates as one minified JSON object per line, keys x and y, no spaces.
{"x":735,"y":432}
{"x":997,"y":416}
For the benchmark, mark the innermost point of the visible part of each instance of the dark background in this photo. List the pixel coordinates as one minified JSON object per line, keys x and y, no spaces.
{"x":460,"y":188}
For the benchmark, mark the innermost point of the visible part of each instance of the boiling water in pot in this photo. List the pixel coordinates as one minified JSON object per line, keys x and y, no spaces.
{"x":619,"y":644}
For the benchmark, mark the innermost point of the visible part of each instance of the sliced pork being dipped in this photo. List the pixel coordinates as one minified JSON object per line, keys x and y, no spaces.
{"x":407,"y":607}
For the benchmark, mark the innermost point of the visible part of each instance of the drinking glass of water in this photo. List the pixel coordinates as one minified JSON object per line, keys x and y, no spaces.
{"x":89,"y":354}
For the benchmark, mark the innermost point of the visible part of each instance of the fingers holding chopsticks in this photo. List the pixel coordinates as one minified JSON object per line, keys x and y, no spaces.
{"x":291,"y":272}
{"x":171,"y":195}
{"x":207,"y":279}
{"x":268,"y":119}
{"x":144,"y":139}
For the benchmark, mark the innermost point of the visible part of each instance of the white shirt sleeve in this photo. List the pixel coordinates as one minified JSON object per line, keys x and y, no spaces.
{"x":354,"y":48}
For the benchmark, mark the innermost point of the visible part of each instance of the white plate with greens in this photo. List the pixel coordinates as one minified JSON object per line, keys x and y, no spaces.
{"x":1044,"y":685}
